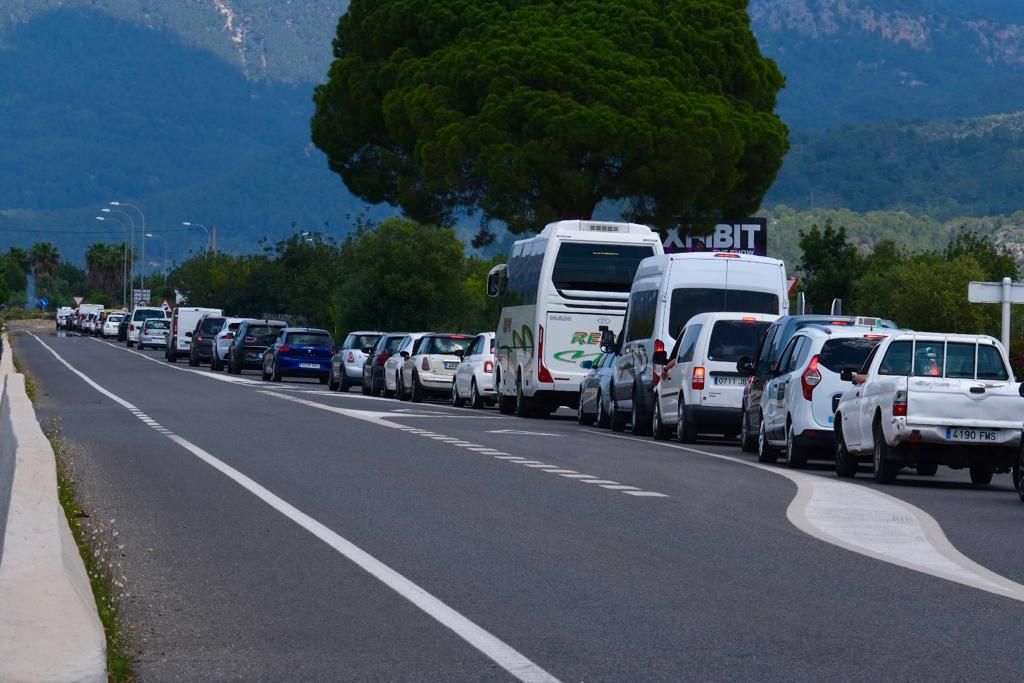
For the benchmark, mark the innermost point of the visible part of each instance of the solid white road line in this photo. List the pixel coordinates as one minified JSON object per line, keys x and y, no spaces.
{"x":497,"y":650}
{"x":874,"y":524}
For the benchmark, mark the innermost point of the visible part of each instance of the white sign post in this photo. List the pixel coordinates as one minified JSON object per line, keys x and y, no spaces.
{"x":1006,"y":292}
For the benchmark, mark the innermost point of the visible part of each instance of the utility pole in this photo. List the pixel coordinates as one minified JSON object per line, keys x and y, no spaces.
{"x":213,"y":238}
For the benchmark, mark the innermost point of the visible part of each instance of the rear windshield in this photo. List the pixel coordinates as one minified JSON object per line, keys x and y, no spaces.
{"x":212,"y":325}
{"x":115,"y":317}
{"x":842,"y":354}
{"x":598,"y":267}
{"x":392,"y":344}
{"x":264,"y":334}
{"x":234,"y":326}
{"x":309,"y":339}
{"x":157,"y":325}
{"x":361,"y":341}
{"x":733,"y":339}
{"x":148,"y":314}
{"x":690,"y":301}
{"x":446,"y":345}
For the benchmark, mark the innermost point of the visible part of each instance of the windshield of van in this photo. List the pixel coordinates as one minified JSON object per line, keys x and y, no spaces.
{"x":146,"y":314}
{"x":690,"y":301}
{"x":733,"y":339}
{"x":598,"y":267}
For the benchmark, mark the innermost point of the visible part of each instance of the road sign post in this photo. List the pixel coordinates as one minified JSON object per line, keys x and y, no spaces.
{"x":1006,"y":293}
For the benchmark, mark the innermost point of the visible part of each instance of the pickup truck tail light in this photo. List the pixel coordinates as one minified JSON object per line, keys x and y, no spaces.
{"x":488,"y":366}
{"x":810,"y":379}
{"x":425,"y":364}
{"x":899,"y":404}
{"x":659,"y":347}
{"x":698,"y":378}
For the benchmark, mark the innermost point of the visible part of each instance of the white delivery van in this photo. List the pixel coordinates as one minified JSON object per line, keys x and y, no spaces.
{"x":557,"y":291}
{"x":183,"y":324}
{"x":667,"y":291}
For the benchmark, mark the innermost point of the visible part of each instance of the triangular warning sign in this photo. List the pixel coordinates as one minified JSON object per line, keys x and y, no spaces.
{"x":78,"y":300}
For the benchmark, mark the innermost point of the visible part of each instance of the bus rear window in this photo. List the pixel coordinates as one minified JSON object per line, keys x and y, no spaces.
{"x":598,"y":267}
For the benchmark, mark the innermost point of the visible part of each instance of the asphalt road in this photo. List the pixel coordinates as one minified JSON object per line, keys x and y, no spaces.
{"x":278,"y":531}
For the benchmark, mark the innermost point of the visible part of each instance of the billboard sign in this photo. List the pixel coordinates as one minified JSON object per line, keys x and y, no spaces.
{"x":746,"y":236}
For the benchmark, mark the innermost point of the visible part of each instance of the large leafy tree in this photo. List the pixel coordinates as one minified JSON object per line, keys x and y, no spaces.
{"x":532,"y":110}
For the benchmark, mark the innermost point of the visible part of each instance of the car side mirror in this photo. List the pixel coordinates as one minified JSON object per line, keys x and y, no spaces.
{"x":404,"y":354}
{"x":460,"y":353}
{"x":745,"y":365}
{"x":608,"y":339}
{"x":848,"y":374}
{"x":1021,"y":389}
{"x":188,"y":334}
{"x":588,"y":364}
{"x":367,"y":349}
{"x":659,"y":358}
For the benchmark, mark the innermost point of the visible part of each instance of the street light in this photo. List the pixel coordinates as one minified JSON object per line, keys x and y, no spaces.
{"x":142,"y":284}
{"x":124,"y":260}
{"x":199,"y":225}
{"x":163,"y":246}
{"x":131,"y":261}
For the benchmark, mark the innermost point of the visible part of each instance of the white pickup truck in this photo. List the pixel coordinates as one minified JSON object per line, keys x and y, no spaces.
{"x":922,"y":400}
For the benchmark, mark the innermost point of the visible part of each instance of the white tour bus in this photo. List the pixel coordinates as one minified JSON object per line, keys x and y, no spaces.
{"x":558,"y":291}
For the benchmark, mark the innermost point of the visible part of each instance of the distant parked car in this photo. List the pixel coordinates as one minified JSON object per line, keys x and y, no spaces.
{"x":299,"y":352}
{"x":154,"y":333}
{"x":431,"y":370}
{"x":376,"y":366}
{"x":111,"y":324}
{"x":347,"y":364}
{"x":474,"y":380}
{"x":222,"y":343}
{"x":251,"y":340}
{"x":393,"y":366}
{"x":203,"y":338}
{"x":595,"y":399}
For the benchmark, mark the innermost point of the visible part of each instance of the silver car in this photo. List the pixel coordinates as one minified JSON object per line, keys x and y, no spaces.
{"x":154,"y":333}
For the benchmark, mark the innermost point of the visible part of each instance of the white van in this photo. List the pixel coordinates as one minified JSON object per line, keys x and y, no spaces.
{"x":183,"y":324}
{"x":699,"y":389}
{"x":558,"y":290}
{"x":669,"y":290}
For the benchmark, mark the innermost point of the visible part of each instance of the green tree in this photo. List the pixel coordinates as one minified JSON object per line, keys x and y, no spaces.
{"x":531,"y":111}
{"x":997,"y":262}
{"x":45,"y":259}
{"x":105,"y":265}
{"x":830,"y":265}
{"x":5,"y":290}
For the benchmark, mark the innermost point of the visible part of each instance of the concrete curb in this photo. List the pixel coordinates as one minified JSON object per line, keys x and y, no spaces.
{"x":49,"y":626}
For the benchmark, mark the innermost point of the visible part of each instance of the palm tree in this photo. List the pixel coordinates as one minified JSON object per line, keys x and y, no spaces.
{"x":103,"y":262}
{"x":45,"y":259}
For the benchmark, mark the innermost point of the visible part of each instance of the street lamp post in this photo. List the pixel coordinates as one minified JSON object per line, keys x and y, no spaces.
{"x":131,"y":259}
{"x":124,"y":260}
{"x":142,"y":281}
{"x":205,"y":229}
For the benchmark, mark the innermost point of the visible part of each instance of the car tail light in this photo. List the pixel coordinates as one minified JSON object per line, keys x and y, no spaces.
{"x":425,"y":364}
{"x":488,"y":366}
{"x":899,"y":404}
{"x":284,"y":348}
{"x":229,"y":335}
{"x":543,"y":374}
{"x":131,"y":327}
{"x":698,"y":378}
{"x":175,"y":330}
{"x":727,"y":255}
{"x":659,"y":347}
{"x":382,"y":357}
{"x":874,"y":336}
{"x":249,"y":340}
{"x":351,"y":357}
{"x":811,"y":378}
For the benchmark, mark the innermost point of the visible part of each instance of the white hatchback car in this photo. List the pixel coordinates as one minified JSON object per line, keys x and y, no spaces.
{"x":111,"y":323}
{"x":353,"y":354}
{"x":700,"y":389}
{"x":798,"y":405}
{"x":430,"y":369}
{"x":393,"y":365}
{"x":474,"y":380}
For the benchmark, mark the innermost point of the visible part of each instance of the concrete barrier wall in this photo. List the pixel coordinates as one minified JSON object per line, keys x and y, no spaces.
{"x":49,"y":627}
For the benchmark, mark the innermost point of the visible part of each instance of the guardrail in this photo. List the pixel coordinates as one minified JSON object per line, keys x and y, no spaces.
{"x":49,"y":627}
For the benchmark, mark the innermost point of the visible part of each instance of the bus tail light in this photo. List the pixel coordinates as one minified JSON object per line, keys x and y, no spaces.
{"x":810,"y":379}
{"x":698,"y":379}
{"x":543,"y":374}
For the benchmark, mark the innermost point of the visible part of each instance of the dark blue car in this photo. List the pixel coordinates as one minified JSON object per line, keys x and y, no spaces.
{"x":299,"y":352}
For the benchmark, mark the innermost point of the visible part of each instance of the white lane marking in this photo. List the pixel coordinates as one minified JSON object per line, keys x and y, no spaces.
{"x":619,"y":487}
{"x":519,"y":432}
{"x":557,"y":471}
{"x":510,"y":458}
{"x":645,"y":494}
{"x":540,"y":466}
{"x":577,"y":475}
{"x":874,"y":524}
{"x":600,"y":481}
{"x":497,"y":650}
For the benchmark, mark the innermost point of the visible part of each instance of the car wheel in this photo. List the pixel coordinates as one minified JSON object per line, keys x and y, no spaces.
{"x":233,"y":368}
{"x":169,"y":356}
{"x":142,"y":347}
{"x":883,"y":468}
{"x":981,"y":471}
{"x":686,"y":431}
{"x":796,"y":455}
{"x":658,"y":429}
{"x":476,"y":401}
{"x":1018,"y":473}
{"x":364,"y":387}
{"x":506,"y":404}
{"x":455,"y":398}
{"x":522,"y":405}
{"x":216,"y":364}
{"x":331,"y":384}
{"x":275,"y":373}
{"x":617,"y":419}
{"x":130,"y":343}
{"x":748,"y":443}
{"x":416,"y":392}
{"x":343,"y":384}
{"x":846,"y":464}
{"x":638,"y":425}
{"x":583,"y":417}
{"x":602,"y":414}
{"x":193,"y":360}
{"x":927,"y":468}
{"x":399,"y":387}
{"x":765,"y":451}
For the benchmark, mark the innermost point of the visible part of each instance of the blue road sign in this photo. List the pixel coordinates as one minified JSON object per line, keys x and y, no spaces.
{"x":44,"y":303}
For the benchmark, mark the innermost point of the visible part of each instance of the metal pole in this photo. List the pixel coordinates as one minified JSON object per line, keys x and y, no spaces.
{"x":1007,"y":286}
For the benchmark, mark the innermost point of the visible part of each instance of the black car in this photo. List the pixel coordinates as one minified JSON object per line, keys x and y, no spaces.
{"x":122,"y":327}
{"x":203,"y":339}
{"x":373,"y":368}
{"x":252,"y":339}
{"x":762,"y":367}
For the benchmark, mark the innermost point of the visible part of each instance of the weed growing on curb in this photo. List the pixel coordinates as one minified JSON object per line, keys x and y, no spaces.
{"x":101,"y":552}
{"x":30,"y":384}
